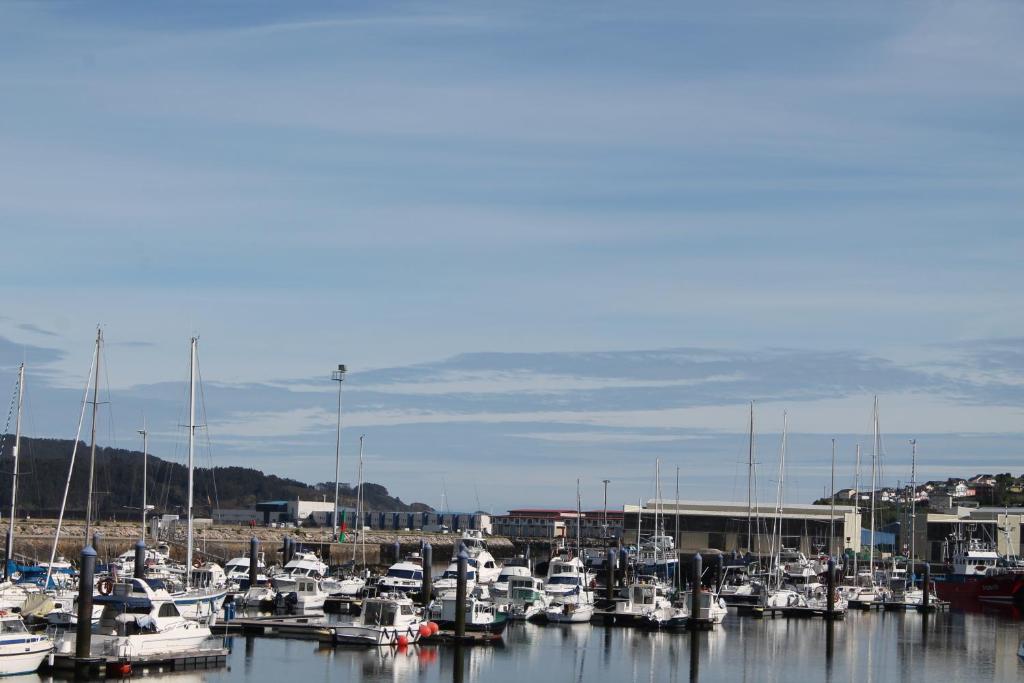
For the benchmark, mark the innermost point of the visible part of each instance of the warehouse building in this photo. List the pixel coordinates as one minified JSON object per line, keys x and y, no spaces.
{"x":552,"y":524}
{"x":724,"y":526}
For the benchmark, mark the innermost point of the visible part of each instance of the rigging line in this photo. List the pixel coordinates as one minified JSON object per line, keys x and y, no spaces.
{"x":206,"y":433}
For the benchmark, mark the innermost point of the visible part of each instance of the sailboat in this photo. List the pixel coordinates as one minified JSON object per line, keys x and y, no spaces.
{"x":572,"y":600}
{"x":351,"y":586}
{"x":205,"y":590}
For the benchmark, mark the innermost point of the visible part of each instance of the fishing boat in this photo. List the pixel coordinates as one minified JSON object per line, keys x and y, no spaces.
{"x":482,"y":616}
{"x":385,"y":620}
{"x":138,"y":620}
{"x":307,"y":595}
{"x":21,"y":652}
{"x":526,"y":598}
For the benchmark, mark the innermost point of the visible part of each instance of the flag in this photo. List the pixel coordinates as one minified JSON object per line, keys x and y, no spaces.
{"x":341,"y":528}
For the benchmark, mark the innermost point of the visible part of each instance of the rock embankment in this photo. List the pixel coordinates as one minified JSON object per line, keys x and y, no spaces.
{"x":34,"y":539}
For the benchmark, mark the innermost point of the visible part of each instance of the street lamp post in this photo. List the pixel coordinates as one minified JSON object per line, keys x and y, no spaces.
{"x":339,"y":377}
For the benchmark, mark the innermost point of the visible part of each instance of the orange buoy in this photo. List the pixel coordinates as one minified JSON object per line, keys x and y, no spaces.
{"x":125,"y":669}
{"x":403,"y":641}
{"x":434,"y":628}
{"x":425,"y":630}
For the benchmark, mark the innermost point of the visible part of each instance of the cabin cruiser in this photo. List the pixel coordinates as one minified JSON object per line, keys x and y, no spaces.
{"x":526,"y":598}
{"x":479,"y":557}
{"x":864,"y":592}
{"x":302,"y":565}
{"x":14,"y":595}
{"x":383,"y":620}
{"x":203,"y":600}
{"x":739,"y":587}
{"x":482,"y":616}
{"x":567,"y":587}
{"x":403,"y":577}
{"x":21,"y":652}
{"x":139,"y":620}
{"x":646,"y":605}
{"x":447,"y":583}
{"x":517,"y":567}
{"x":344,"y":586}
{"x":236,"y":572}
{"x":155,"y":559}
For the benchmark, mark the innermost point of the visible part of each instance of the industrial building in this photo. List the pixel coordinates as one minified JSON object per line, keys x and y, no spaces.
{"x":937,"y":530}
{"x":724,"y":526}
{"x":551,"y":524}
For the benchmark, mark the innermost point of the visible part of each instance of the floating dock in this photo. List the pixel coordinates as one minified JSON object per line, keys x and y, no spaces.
{"x":471,"y":638}
{"x":299,"y":627}
{"x":797,"y":613}
{"x":112,"y":666}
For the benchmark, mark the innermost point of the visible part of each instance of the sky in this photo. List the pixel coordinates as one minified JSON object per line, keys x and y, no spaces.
{"x":549,"y":240}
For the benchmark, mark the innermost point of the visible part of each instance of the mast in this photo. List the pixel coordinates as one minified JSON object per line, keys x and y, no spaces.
{"x":92,"y":452}
{"x":913,"y":502}
{"x":359,"y":502}
{"x":579,"y":534}
{"x":777,"y":549}
{"x":679,"y":574}
{"x":750,"y":481}
{"x":14,"y":476}
{"x":832,"y":508}
{"x":339,"y":377}
{"x":874,"y":469}
{"x":856,"y":506}
{"x":145,"y":457}
{"x":191,"y":453}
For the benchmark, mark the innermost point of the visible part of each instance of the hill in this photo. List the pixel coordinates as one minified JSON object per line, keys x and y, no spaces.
{"x":118,"y":484}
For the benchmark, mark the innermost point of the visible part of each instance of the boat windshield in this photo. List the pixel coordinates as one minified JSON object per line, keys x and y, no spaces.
{"x":565,"y":580}
{"x":405,"y":574}
{"x":379,"y":613}
{"x":12,"y":626}
{"x":454,"y":574}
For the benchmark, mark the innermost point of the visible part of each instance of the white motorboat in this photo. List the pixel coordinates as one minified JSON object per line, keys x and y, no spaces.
{"x":571,"y":609}
{"x":526,"y":598}
{"x":307,"y":596}
{"x":447,"y":583}
{"x":403,"y":577}
{"x":479,"y":557}
{"x":303,"y":565}
{"x":646,"y":606}
{"x":482,"y":616}
{"x":500,"y":587}
{"x":203,"y":599}
{"x":138,"y":620}
{"x":384,"y":621}
{"x":258,"y":597}
{"x":236,"y":572}
{"x":567,"y":587}
{"x":346,"y":587}
{"x":21,"y":652}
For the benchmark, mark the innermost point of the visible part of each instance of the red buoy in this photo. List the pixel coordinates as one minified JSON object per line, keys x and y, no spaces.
{"x":403,"y":641}
{"x":434,"y":628}
{"x":425,"y":630}
{"x":125,"y":669}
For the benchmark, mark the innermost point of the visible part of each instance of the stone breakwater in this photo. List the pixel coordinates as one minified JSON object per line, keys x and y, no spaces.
{"x":34,"y":538}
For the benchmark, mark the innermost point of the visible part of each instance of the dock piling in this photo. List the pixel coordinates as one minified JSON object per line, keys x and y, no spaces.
{"x":96,"y":536}
{"x":698,"y":571}
{"x":609,"y":579}
{"x":460,"y":595}
{"x":254,"y":553}
{"x":140,"y":559}
{"x":428,"y":558}
{"x":83,"y":632}
{"x":926,"y":597}
{"x":830,"y":585}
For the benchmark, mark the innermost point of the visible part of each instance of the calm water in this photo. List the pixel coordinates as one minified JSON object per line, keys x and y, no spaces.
{"x":866,"y":647}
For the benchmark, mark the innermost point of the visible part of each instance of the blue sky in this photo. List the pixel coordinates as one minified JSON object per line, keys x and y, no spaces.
{"x":549,"y":241}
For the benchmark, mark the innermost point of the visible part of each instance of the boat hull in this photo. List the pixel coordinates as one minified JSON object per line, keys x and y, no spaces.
{"x":366,"y":636}
{"x":23,"y":655}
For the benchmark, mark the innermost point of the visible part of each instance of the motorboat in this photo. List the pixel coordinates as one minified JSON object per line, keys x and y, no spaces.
{"x":446,"y":584}
{"x":21,"y":652}
{"x":567,"y":587}
{"x":139,"y":620}
{"x":307,"y":596}
{"x":236,"y":572}
{"x":203,"y":599}
{"x":303,"y":565}
{"x":403,"y":577}
{"x":479,"y":557}
{"x":482,"y":616}
{"x":516,"y":567}
{"x":385,"y":620}
{"x":526,"y":598}
{"x":343,"y":586}
{"x":646,"y":605}
{"x":258,"y":597}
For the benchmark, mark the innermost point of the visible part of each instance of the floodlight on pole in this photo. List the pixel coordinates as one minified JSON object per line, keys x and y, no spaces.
{"x":339,"y":377}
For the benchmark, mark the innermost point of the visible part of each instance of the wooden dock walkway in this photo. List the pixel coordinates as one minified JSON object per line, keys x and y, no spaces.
{"x":298,"y":627}
{"x":113,"y":666}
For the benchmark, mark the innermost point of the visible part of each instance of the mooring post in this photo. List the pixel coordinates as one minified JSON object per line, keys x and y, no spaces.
{"x":428,"y":559}
{"x":926,"y":598}
{"x":698,"y":571}
{"x":140,"y":559}
{"x":96,"y":536}
{"x":460,"y":595}
{"x":286,"y":555}
{"x":830,"y":586}
{"x":609,"y":579}
{"x":397,"y":551}
{"x":83,"y":632}
{"x":254,"y":554}
{"x":623,"y":564}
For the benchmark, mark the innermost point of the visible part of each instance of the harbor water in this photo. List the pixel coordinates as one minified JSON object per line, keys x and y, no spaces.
{"x":864,"y":647}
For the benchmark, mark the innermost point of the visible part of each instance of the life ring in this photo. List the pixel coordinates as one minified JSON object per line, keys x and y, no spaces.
{"x":105,"y":587}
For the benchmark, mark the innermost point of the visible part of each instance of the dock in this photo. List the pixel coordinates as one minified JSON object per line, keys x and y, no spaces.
{"x":113,"y":666}
{"x":470,"y":638}
{"x":298,"y":627}
{"x":797,"y":613}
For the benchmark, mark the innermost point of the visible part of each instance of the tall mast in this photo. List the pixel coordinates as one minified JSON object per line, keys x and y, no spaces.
{"x":145,"y":457}
{"x":913,"y":502}
{"x":679,"y":575}
{"x":339,"y":377}
{"x":657,"y":504}
{"x":14,"y":476}
{"x":750,"y":481}
{"x":856,"y":506}
{"x":359,"y":502}
{"x":191,"y":453}
{"x":92,"y":452}
{"x":832,"y":508}
{"x":579,"y":523}
{"x":874,"y":469}
{"x":778,"y":508}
